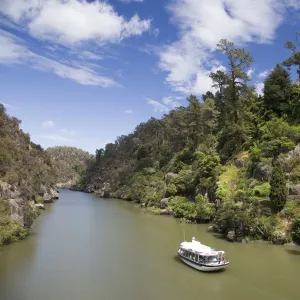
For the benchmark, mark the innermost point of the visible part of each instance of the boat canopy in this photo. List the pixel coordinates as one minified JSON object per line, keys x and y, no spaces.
{"x":199,"y":248}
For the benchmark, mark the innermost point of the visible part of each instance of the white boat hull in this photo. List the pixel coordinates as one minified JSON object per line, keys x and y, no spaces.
{"x":203,"y":268}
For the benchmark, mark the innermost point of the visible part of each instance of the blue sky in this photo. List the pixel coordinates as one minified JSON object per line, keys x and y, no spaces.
{"x":82,"y":72}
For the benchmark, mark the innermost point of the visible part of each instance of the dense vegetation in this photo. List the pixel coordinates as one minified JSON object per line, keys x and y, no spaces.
{"x":70,"y":163}
{"x":25,"y":168}
{"x":214,"y":159}
{"x":28,"y":174}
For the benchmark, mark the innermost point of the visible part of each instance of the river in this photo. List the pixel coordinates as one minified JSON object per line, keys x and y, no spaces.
{"x":87,"y":248}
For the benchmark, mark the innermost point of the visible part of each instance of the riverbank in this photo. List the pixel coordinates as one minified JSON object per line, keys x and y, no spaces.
{"x":18,"y":214}
{"x":234,"y":222}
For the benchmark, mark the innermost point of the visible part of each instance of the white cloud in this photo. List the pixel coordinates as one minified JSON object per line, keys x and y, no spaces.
{"x":201,"y":24}
{"x":89,"y":55}
{"x":157,"y":106}
{"x":264,"y":74}
{"x":70,"y":22}
{"x":68,"y":132}
{"x":155,"y":32}
{"x":259,"y":87}
{"x":14,"y":51}
{"x":130,"y":1}
{"x":48,"y":124}
{"x":250,"y":72}
{"x":128,"y":111}
{"x":171,"y":101}
{"x":55,"y":137}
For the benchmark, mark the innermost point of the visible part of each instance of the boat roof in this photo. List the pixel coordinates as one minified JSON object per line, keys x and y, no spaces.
{"x":199,"y":248}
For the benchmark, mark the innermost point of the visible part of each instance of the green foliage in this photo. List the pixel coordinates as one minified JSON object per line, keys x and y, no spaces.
{"x":206,"y":168}
{"x":10,"y":231}
{"x":199,"y":211}
{"x":295,"y":230}
{"x":277,"y":90}
{"x":291,"y":210}
{"x":171,"y":189}
{"x":227,"y":183}
{"x":70,"y":163}
{"x":278,"y":191}
{"x":246,"y":219}
{"x":262,"y":189}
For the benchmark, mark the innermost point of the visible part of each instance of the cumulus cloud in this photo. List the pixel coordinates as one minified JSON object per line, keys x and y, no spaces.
{"x":264,"y":74}
{"x":165,"y":104}
{"x":130,"y":1}
{"x":14,"y":51}
{"x":201,"y":24}
{"x":157,"y":106}
{"x":70,"y":22}
{"x":128,"y":111}
{"x":259,"y":87}
{"x":48,"y":124}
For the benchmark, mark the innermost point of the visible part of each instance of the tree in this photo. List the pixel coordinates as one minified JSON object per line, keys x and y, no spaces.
{"x":294,"y":59}
{"x":278,"y":192}
{"x":277,"y":90}
{"x":230,"y":98}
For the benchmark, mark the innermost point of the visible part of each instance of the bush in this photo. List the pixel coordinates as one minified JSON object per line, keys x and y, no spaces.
{"x":278,"y":191}
{"x":295,"y":230}
{"x":246,"y":219}
{"x":291,"y":210}
{"x":227,"y":183}
{"x":199,"y":211}
{"x":171,"y":189}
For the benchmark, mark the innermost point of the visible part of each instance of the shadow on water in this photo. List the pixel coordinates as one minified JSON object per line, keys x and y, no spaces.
{"x":179,"y":261}
{"x":293,"y":251}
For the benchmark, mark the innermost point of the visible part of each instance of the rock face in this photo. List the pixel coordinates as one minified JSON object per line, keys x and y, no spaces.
{"x":231,"y":236}
{"x":40,"y":206}
{"x":8,"y":191}
{"x":103,"y":192}
{"x":23,"y":209}
{"x":279,"y":238}
{"x":65,"y":185}
{"x":164,"y":203}
{"x":49,"y":194}
{"x":262,"y":172}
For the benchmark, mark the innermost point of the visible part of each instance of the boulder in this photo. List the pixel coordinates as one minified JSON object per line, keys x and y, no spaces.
{"x":164,"y":212}
{"x":294,"y":189}
{"x":164,"y":203}
{"x":231,"y":236}
{"x":40,"y":206}
{"x":294,"y":153}
{"x":210,"y":229}
{"x":262,"y":172}
{"x":279,"y":237}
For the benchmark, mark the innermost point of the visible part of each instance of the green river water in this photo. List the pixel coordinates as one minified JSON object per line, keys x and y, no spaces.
{"x":87,"y":248}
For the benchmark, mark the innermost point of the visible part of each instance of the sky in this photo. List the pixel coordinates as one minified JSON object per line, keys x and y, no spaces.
{"x":81,"y":73}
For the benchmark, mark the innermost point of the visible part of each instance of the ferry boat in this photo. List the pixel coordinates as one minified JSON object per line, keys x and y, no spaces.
{"x":201,"y":257}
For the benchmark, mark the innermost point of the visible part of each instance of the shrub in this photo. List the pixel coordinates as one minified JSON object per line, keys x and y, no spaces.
{"x":295,"y":230}
{"x":278,"y":191}
{"x":171,"y":189}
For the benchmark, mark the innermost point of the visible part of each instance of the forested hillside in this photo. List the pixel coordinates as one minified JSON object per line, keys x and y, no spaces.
{"x":230,"y":157}
{"x":27,"y":177}
{"x":70,"y":164}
